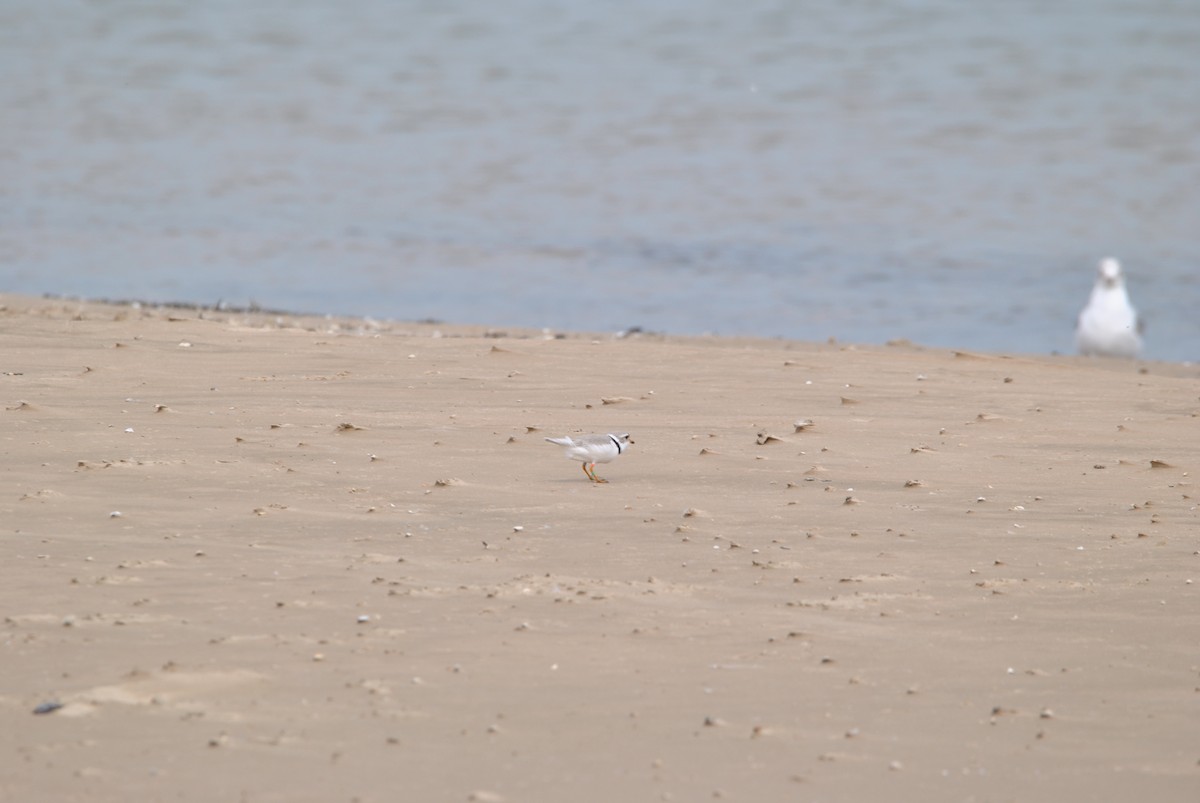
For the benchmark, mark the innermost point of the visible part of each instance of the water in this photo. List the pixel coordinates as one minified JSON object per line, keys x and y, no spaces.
{"x":943,"y":171}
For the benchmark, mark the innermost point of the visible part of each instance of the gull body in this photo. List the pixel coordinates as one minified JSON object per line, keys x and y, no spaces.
{"x":592,"y":449}
{"x":1108,"y":325}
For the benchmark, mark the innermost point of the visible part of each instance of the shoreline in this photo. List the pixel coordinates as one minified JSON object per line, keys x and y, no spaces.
{"x":268,"y":557}
{"x":439,"y":328}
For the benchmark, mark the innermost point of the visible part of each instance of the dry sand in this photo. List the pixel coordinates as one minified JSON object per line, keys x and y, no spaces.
{"x":262,"y":558}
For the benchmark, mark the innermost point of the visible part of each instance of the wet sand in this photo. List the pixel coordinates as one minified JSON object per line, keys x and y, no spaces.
{"x":274,"y":558}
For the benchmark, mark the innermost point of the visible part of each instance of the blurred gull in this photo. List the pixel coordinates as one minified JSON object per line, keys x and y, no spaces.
{"x":1108,"y":325}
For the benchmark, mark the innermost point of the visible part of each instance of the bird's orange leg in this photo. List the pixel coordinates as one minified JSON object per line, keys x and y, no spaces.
{"x":594,"y":477}
{"x":587,"y":473}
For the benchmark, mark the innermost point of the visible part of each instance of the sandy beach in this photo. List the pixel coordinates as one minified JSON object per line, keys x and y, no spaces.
{"x":255,"y":557}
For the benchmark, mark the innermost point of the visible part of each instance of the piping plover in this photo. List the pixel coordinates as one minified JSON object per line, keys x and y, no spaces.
{"x":592,"y":449}
{"x":1108,"y":325}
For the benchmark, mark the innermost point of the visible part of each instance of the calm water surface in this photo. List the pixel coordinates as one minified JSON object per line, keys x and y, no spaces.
{"x":938,"y":170}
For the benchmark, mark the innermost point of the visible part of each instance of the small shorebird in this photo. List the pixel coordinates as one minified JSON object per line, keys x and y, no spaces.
{"x":1108,"y":325}
{"x":592,"y":449}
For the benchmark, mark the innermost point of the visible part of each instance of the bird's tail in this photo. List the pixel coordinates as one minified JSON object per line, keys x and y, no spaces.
{"x":562,"y":441}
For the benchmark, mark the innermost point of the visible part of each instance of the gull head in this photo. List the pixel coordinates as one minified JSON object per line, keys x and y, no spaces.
{"x":1109,"y":272}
